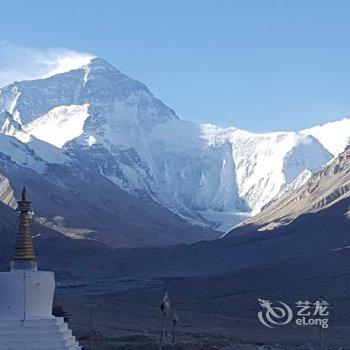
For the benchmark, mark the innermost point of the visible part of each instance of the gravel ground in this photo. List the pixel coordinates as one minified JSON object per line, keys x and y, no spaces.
{"x":219,"y":311}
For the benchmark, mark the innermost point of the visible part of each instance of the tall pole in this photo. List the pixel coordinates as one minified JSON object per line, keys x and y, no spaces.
{"x":174,"y":332}
{"x":161,"y":331}
{"x":175,"y":322}
{"x":90,"y":325}
{"x":321,"y":338}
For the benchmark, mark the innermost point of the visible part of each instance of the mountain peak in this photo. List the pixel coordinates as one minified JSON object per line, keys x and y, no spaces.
{"x":100,"y":64}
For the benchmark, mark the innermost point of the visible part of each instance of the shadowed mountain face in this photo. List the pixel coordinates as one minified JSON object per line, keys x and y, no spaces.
{"x":85,"y":206}
{"x":315,"y":232}
{"x":310,"y":235}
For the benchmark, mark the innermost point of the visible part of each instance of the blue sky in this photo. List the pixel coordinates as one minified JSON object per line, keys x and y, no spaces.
{"x":258,"y":65}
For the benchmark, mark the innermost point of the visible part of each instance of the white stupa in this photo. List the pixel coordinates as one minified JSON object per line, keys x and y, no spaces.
{"x":26,"y":297}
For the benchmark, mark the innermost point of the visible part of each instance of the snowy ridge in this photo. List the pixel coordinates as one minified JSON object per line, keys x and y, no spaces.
{"x":99,"y":118}
{"x":231,"y":169}
{"x":334,"y":136}
{"x":20,"y":153}
{"x":37,"y":148}
{"x":60,"y":125}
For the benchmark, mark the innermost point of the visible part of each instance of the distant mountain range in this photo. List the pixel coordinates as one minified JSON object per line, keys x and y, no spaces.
{"x":310,"y":222}
{"x":105,"y":160}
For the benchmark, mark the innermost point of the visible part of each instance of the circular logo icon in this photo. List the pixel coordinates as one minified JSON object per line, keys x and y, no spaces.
{"x":274,"y":315}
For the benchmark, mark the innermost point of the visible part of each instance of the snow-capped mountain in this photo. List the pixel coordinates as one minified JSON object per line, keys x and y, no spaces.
{"x":98,"y":118}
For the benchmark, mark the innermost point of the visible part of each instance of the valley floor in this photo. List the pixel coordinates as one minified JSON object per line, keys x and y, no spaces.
{"x":220,"y":311}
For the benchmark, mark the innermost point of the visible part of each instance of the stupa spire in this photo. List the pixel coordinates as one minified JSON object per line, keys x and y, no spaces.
{"x":24,"y":257}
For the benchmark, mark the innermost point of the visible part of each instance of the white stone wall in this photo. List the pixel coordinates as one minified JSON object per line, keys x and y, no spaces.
{"x":26,"y":294}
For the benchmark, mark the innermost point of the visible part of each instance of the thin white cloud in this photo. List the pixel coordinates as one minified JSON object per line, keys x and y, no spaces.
{"x":22,"y":63}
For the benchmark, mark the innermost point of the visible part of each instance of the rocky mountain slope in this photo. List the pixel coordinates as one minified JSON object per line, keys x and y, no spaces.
{"x":98,"y":119}
{"x":85,"y":206}
{"x":321,"y":191}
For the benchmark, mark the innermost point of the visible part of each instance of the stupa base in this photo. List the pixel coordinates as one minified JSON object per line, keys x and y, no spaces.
{"x":42,"y":333}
